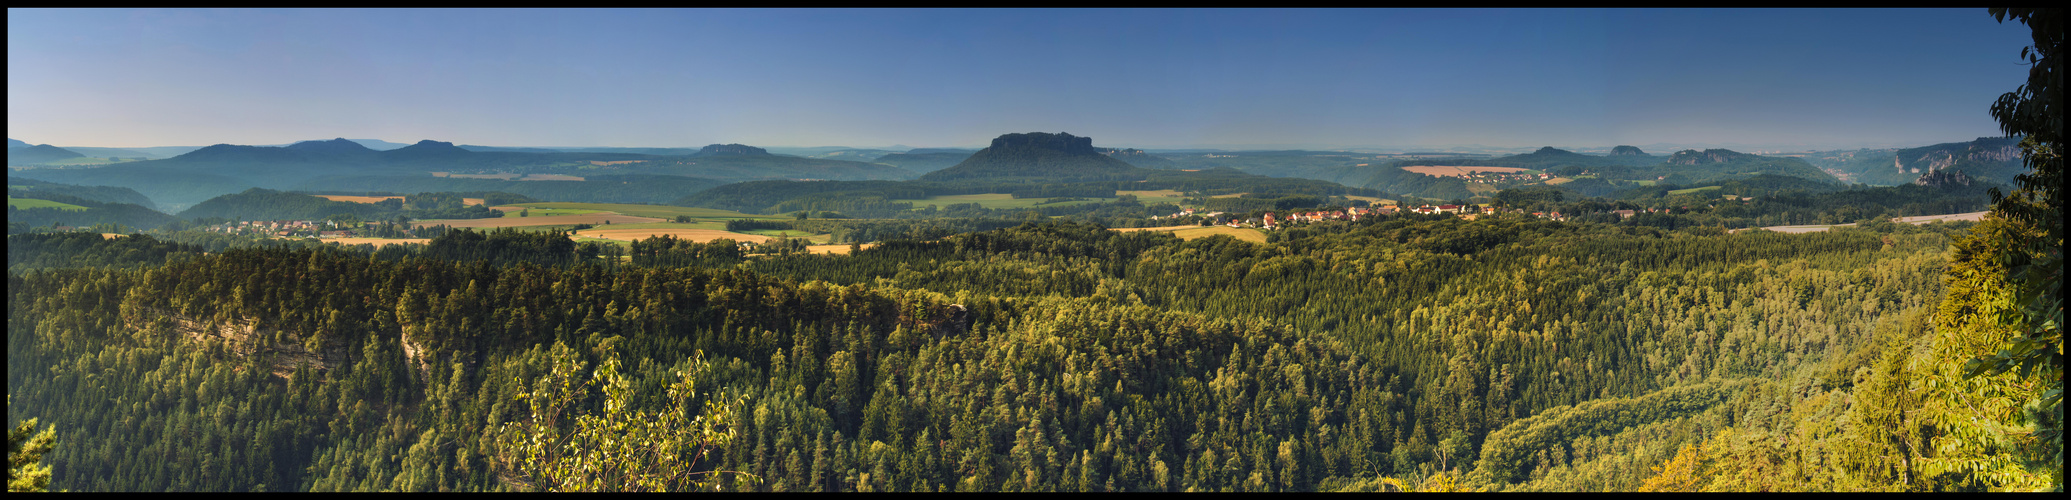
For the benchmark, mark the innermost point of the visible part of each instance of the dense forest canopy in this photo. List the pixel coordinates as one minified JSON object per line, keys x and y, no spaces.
{"x":1632,"y":329}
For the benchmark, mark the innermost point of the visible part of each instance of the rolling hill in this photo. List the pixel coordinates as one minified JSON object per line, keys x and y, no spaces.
{"x":42,"y":153}
{"x":924,"y":162}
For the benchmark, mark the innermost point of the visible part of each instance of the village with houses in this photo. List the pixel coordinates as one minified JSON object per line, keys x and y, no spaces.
{"x":1270,"y":221}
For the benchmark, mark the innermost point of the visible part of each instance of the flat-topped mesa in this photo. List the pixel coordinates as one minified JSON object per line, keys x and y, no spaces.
{"x":426,"y":148}
{"x":1627,"y":151}
{"x":333,"y":146}
{"x":1036,"y":156}
{"x":732,"y":149}
{"x":1060,"y":142}
{"x":1695,"y":157}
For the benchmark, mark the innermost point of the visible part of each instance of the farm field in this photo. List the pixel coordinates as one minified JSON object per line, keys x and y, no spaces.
{"x":681,"y":233}
{"x":592,"y":219}
{"x":1154,"y":197}
{"x":378,"y":199}
{"x":1693,"y":190}
{"x":1195,"y":232}
{"x":545,"y":212}
{"x":87,"y":160}
{"x":510,"y":177}
{"x":997,"y":200}
{"x":655,"y":211}
{"x":1461,"y":171}
{"x":1924,"y":219}
{"x":356,"y":199}
{"x":13,"y":202}
{"x":834,"y":249}
{"x":1914,"y":220}
{"x":786,"y":233}
{"x":377,"y":242}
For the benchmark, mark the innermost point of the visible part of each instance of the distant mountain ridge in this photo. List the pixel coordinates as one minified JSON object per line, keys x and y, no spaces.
{"x":41,"y":153}
{"x":220,"y":169}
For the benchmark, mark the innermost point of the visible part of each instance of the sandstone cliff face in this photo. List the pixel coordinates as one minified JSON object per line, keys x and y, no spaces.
{"x":732,"y":149}
{"x":1060,"y":142}
{"x":244,"y":337}
{"x":241,"y":337}
{"x":1942,"y":178}
{"x":1941,"y":156}
{"x":1036,"y":155}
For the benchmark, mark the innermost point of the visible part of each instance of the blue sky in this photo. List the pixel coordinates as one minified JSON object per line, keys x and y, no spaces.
{"x":1144,"y":78}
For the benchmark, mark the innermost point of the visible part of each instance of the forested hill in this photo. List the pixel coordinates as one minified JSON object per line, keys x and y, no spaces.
{"x":1516,"y":354}
{"x":42,"y":153}
{"x":32,"y":188}
{"x":1037,"y":156}
{"x":1628,"y":151}
{"x":731,"y":150}
{"x":1990,"y":159}
{"x":407,"y":386}
{"x":80,"y":212}
{"x":924,"y":162}
{"x":259,"y":204}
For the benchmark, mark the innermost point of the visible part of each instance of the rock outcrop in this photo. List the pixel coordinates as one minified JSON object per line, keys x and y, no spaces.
{"x":1709,"y":156}
{"x":1037,"y":156}
{"x":732,"y":150}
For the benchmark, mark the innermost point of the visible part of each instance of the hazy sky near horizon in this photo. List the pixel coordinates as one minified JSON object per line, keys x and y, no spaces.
{"x":935,"y":78}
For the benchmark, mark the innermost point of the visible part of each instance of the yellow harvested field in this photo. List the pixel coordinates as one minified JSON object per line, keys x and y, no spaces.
{"x":1923,"y":219}
{"x":1166,"y":228}
{"x":378,"y":199}
{"x":1460,"y":171}
{"x":377,"y":242}
{"x":1241,"y":233}
{"x":357,"y":199}
{"x":1195,"y":232}
{"x":548,"y":220}
{"x":1558,"y":181}
{"x":697,"y":235}
{"x":510,"y":177}
{"x":110,"y":236}
{"x":835,"y":249}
